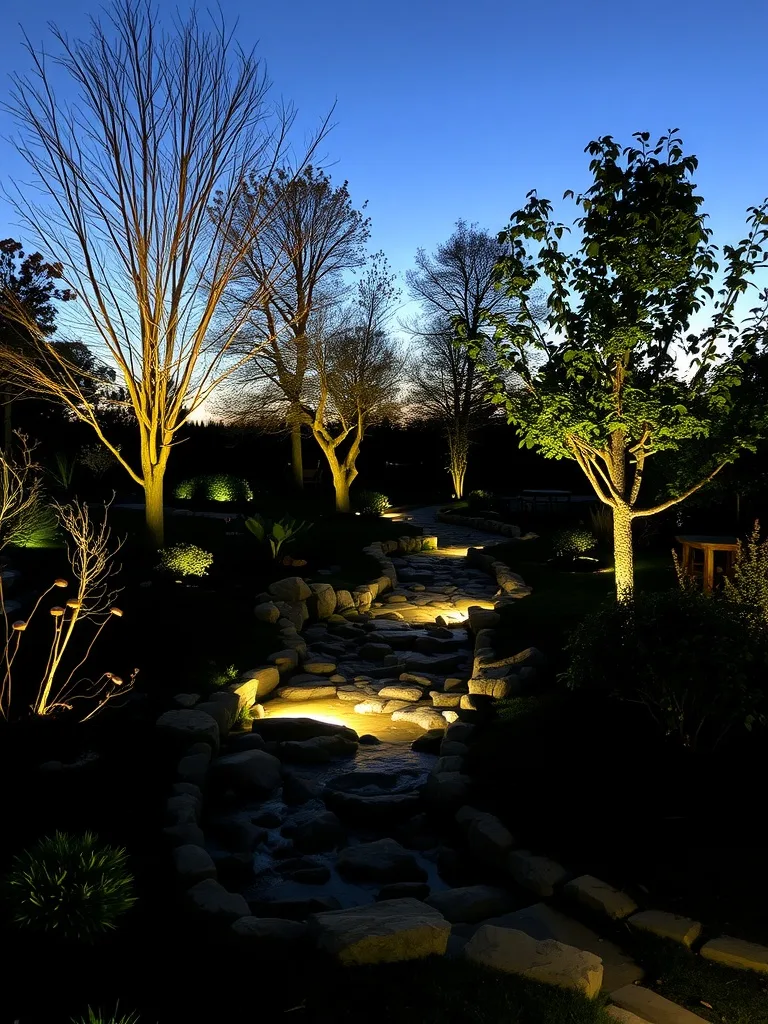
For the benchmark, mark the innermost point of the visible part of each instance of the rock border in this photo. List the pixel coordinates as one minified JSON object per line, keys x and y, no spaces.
{"x":479,"y":523}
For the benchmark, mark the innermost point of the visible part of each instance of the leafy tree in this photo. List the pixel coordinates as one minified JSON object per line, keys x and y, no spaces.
{"x":32,"y":281}
{"x":455,"y":288}
{"x":617,"y":374}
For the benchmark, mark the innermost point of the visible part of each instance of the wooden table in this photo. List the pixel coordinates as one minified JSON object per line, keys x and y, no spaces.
{"x":708,"y":546}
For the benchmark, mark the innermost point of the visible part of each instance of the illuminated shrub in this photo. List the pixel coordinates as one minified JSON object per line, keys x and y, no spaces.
{"x":370,"y":503}
{"x":697,"y":662}
{"x":71,"y":886}
{"x":35,"y":527}
{"x":214,"y":487}
{"x":185,"y":560}
{"x":572,"y":542}
{"x":98,"y":1017}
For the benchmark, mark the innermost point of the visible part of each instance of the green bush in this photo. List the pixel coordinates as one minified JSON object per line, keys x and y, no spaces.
{"x":480,"y":499}
{"x":185,"y":560}
{"x":697,"y":662}
{"x":214,"y":487}
{"x":573,"y":541}
{"x":70,"y":885}
{"x":748,"y":582}
{"x":36,"y":527}
{"x":370,"y":503}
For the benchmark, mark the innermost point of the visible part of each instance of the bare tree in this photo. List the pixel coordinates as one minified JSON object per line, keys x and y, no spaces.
{"x":355,"y":373}
{"x":455,"y":289}
{"x":292,"y":263}
{"x":162,"y":123}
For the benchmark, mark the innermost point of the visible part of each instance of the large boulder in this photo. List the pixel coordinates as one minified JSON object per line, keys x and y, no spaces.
{"x":284,"y":661}
{"x":193,"y":864}
{"x":490,"y":842}
{"x":307,"y":691}
{"x":384,"y":860}
{"x":231,"y":702}
{"x":248,"y":771}
{"x":539,"y":874}
{"x":548,"y":961}
{"x":267,"y":611}
{"x":255,"y":683}
{"x":407,"y":693}
{"x":445,"y":790}
{"x":277,"y":730}
{"x":482,"y":618}
{"x":210,"y":900}
{"x":315,"y":831}
{"x":325,"y":597}
{"x":385,"y":932}
{"x":219,"y":714}
{"x":290,"y":590}
{"x":596,"y":895}
{"x":188,"y":725}
{"x":471,"y":903}
{"x":318,"y":749}
{"x":493,"y":687}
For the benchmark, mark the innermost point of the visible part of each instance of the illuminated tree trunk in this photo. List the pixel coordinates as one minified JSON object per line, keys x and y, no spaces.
{"x":458,"y":457}
{"x":341,"y":486}
{"x":623,"y":553}
{"x":297,"y":458}
{"x":153,"y":501}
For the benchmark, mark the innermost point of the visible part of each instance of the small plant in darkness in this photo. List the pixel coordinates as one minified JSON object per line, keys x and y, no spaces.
{"x":222,"y":677}
{"x":185,"y":560}
{"x":573,"y":542}
{"x":99,"y":1017}
{"x":276,"y":533}
{"x":214,"y":487}
{"x":748,"y":582}
{"x":72,"y":886}
{"x":479,"y":498}
{"x":62,"y":471}
{"x":97,"y":459}
{"x":371,"y":503}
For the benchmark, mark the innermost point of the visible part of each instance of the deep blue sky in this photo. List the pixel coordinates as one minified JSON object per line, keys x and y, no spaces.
{"x":448,"y":109}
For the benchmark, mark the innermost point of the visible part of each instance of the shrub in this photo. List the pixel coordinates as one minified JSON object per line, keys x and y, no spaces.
{"x":480,"y":499}
{"x":97,"y":459}
{"x":370,"y":503}
{"x":185,"y":560}
{"x":70,"y":885}
{"x":573,"y":541}
{"x":214,"y":487}
{"x":697,"y":663}
{"x":35,"y":527}
{"x":222,"y":677}
{"x":275,"y":533}
{"x":748,"y":583}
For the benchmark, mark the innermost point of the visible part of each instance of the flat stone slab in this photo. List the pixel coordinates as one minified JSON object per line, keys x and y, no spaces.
{"x":543,"y":922}
{"x":747,"y":956}
{"x":667,"y":926}
{"x":599,"y":896}
{"x":385,"y":932}
{"x":539,"y":874}
{"x":623,"y":1016}
{"x":383,"y":860}
{"x":512,"y":951}
{"x":651,"y":1007}
{"x":470,"y":903}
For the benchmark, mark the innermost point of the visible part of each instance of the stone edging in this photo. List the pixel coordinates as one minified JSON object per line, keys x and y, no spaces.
{"x":478,"y":523}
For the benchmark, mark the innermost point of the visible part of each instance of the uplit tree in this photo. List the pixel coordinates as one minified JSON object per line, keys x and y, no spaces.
{"x":355,"y":373}
{"x":618,"y":375}
{"x":455,"y":290}
{"x":159,"y":123}
{"x":288,"y":267}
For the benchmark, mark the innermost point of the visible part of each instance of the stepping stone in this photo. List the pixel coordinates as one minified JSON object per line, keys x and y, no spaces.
{"x":651,"y":1007}
{"x":623,"y":1016}
{"x":543,"y":922}
{"x":386,"y":932}
{"x":539,"y":874}
{"x":551,"y":962}
{"x":667,"y":926}
{"x":747,"y":956}
{"x":599,"y":896}
{"x":470,"y":903}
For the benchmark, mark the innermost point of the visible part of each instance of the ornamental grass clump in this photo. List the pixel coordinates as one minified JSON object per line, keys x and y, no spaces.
{"x":71,"y":886}
{"x":185,"y":560}
{"x":99,"y":1017}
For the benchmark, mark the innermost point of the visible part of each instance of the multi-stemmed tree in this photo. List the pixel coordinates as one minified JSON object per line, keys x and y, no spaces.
{"x":289,"y":269}
{"x":617,"y":375}
{"x":160,"y":124}
{"x":455,"y":290}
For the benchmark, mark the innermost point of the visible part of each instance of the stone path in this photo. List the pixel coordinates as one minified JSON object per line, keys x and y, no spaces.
{"x":448,"y":534}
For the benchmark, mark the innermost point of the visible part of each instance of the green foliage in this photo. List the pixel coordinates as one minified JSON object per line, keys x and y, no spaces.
{"x":97,"y":459}
{"x":480,"y":499}
{"x":698,"y":663}
{"x":98,"y":1017}
{"x":276,"y":532}
{"x":70,"y":885}
{"x":222,"y":677}
{"x":36,"y":527}
{"x":615,"y":376}
{"x":601,"y":521}
{"x":63,"y":470}
{"x":185,"y":560}
{"x":575,"y":540}
{"x":372,"y":503}
{"x":748,"y":583}
{"x":214,"y":487}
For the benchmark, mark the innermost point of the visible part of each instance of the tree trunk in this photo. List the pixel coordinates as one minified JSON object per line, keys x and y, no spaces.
{"x":8,"y":427}
{"x":341,"y":487}
{"x":623,"y":552}
{"x":153,"y":498}
{"x":458,"y":456}
{"x":297,"y":459}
